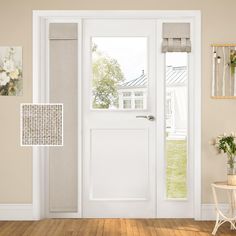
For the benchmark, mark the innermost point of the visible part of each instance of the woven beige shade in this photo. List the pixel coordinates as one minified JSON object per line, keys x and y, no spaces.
{"x":63,"y":88}
{"x":176,"y":37}
{"x":60,"y":31}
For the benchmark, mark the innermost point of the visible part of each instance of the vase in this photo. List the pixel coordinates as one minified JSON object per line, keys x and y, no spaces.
{"x":231,"y":172}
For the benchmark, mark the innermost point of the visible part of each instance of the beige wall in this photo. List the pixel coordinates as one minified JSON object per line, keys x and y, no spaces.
{"x":16,"y":29}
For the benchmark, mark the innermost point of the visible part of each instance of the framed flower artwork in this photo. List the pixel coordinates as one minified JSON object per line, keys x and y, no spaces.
{"x":11,"y":83}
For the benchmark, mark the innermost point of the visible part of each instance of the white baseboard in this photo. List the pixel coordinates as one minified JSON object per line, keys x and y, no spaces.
{"x":209,"y":212}
{"x":25,"y":211}
{"x":16,"y":212}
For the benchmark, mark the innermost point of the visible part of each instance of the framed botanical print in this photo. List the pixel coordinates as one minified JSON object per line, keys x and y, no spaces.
{"x":11,"y":83}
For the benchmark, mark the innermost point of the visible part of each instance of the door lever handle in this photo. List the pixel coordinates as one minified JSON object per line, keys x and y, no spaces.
{"x":149,"y":117}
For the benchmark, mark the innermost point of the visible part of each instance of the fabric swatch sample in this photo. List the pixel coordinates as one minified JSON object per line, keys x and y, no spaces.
{"x":42,"y":124}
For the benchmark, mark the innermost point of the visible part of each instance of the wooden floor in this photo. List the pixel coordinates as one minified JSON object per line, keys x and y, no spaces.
{"x":111,"y":227}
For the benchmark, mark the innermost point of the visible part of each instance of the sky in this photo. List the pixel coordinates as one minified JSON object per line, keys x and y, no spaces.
{"x":131,"y":54}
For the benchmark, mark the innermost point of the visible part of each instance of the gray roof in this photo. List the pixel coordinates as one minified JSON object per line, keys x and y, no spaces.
{"x":176,"y":76}
{"x":139,"y":82}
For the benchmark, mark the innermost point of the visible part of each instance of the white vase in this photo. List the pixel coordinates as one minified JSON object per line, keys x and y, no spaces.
{"x":231,"y":171}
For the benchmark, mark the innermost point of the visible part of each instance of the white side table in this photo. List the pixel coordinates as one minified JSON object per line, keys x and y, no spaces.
{"x":230,"y":216}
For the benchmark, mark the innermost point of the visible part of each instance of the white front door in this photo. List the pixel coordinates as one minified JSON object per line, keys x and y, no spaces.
{"x":137,"y":119}
{"x":119,"y":134}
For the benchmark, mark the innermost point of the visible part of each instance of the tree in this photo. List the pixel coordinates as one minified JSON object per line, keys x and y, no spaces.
{"x":107,"y":75}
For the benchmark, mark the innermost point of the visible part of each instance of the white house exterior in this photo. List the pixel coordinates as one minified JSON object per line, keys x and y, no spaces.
{"x":133,"y":95}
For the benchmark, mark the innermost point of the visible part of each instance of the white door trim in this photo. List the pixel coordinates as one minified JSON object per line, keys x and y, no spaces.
{"x":41,"y":88}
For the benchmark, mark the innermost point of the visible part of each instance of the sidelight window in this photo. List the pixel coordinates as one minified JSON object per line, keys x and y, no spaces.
{"x":176,"y":111}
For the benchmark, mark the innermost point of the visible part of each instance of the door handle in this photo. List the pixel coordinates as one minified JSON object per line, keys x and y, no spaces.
{"x":149,"y":117}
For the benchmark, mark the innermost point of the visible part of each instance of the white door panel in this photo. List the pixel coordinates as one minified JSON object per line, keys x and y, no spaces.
{"x":119,"y":149}
{"x":114,"y":160}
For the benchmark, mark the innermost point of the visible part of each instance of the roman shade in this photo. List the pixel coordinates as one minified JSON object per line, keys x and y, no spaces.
{"x":63,"y":88}
{"x":176,"y":37}
{"x":63,"y":31}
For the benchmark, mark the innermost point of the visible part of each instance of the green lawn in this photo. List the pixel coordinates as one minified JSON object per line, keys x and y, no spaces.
{"x":176,"y":168}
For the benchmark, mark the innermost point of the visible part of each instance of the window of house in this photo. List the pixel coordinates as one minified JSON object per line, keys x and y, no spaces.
{"x":138,"y":103}
{"x":169,"y":110}
{"x":127,"y":104}
{"x":138,"y":94}
{"x":126,"y":94}
{"x":168,"y":104}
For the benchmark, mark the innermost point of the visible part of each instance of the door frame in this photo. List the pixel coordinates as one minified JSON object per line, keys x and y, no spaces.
{"x":167,"y":206}
{"x":41,"y":20}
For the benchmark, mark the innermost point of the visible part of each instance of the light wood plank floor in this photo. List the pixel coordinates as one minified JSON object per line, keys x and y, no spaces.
{"x":111,"y":227}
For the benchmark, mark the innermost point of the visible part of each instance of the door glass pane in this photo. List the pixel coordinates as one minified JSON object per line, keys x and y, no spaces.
{"x":119,"y":67}
{"x":176,"y":115}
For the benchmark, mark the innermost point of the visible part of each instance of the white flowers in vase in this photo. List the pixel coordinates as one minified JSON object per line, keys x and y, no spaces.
{"x":11,"y":72}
